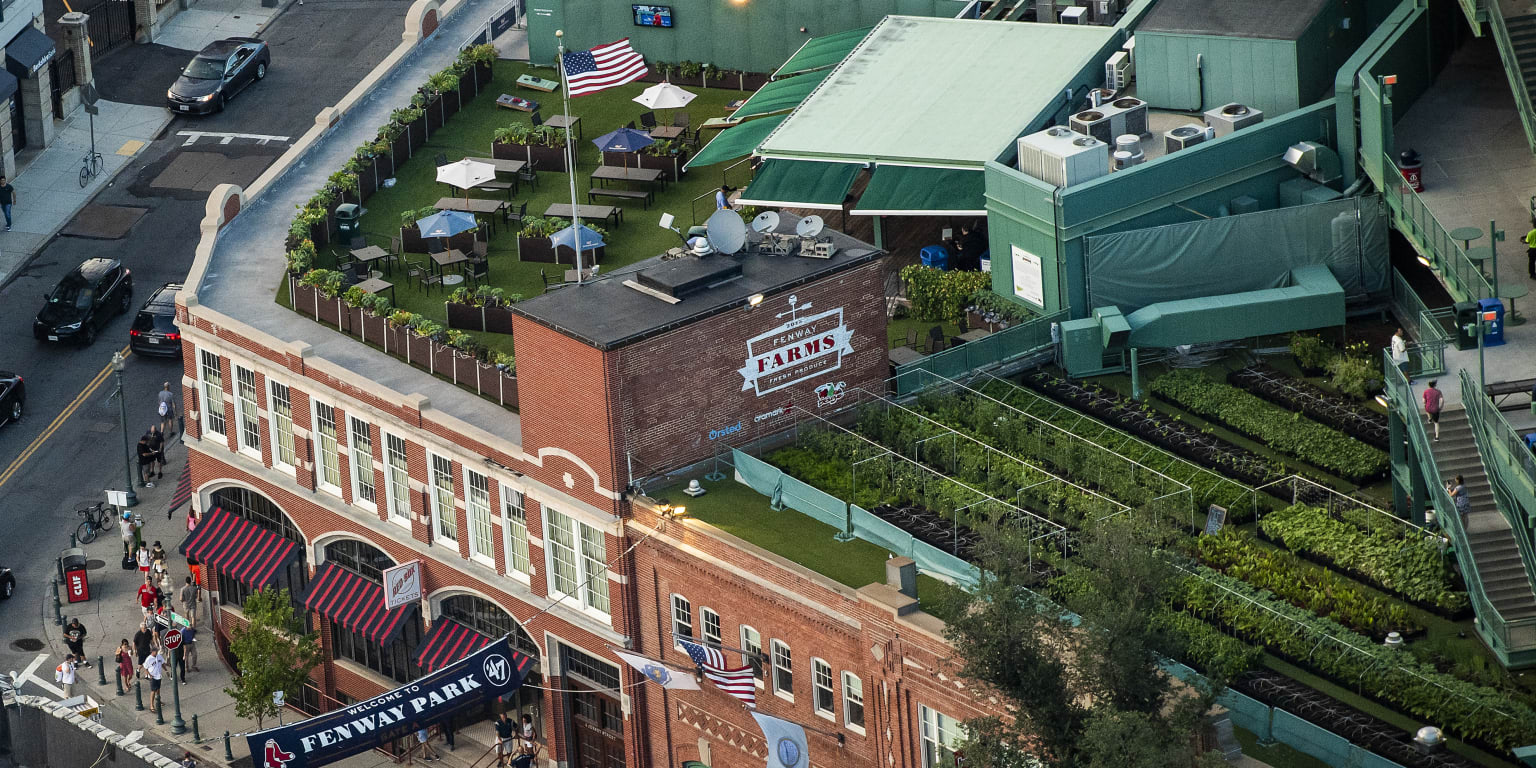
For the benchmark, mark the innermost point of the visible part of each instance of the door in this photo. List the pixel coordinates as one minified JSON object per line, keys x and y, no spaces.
{"x":599,"y":725}
{"x":18,"y":123}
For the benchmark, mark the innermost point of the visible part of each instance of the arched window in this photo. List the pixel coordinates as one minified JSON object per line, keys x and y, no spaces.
{"x":359,"y":557}
{"x":488,"y":619}
{"x":393,"y":660}
{"x":258,"y":509}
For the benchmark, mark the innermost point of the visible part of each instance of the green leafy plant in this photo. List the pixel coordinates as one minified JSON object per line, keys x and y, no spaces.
{"x":540,"y":226}
{"x":689,"y":69}
{"x":377,"y":303}
{"x":986,"y":302}
{"x":939,"y":296}
{"x":328,"y":281}
{"x":409,"y":218}
{"x":274,"y":654}
{"x":661,"y":148}
{"x":301,"y":258}
{"x":529,"y":135}
{"x":354,"y":297}
{"x":443,"y":82}
{"x":1311,"y":352}
{"x":406,"y":115}
{"x":505,"y":361}
{"x":483,"y":54}
{"x":401,"y":318}
{"x":343,"y":181}
{"x":427,"y":328}
{"x":1355,"y":376}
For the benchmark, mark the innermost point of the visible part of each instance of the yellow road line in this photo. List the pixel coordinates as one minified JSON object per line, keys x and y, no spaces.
{"x":58,"y":421}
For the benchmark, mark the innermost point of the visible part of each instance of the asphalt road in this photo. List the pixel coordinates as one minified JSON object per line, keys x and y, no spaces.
{"x":69,"y":446}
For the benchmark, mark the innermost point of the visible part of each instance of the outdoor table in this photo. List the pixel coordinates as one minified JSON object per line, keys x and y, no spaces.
{"x":975,"y":334}
{"x":475,"y":205}
{"x":586,"y":274}
{"x":371,"y":254}
{"x":589,"y":212}
{"x":1479,"y":255}
{"x":375,"y":285}
{"x":621,"y":173}
{"x":568,"y":122}
{"x":905,"y":355}
{"x":1466,"y":235}
{"x":449,"y":258}
{"x":1512,"y":291}
{"x":502,"y":166}
{"x":667,"y":131}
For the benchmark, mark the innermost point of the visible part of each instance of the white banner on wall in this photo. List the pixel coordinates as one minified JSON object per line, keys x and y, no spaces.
{"x":1028,"y":283}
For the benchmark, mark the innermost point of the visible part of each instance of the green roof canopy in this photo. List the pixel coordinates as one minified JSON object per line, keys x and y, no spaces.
{"x":732,"y":143}
{"x":781,"y":95}
{"x":822,"y":52}
{"x":905,"y":190}
{"x":801,"y":184}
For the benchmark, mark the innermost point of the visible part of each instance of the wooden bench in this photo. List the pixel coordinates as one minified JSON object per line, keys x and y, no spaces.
{"x":627,"y":194}
{"x":537,"y":83}
{"x":1500,"y":392}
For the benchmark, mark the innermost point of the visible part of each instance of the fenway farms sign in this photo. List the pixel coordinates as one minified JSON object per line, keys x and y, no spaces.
{"x":806,"y":346}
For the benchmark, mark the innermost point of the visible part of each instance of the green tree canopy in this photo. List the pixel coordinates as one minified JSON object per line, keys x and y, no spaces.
{"x":272,"y":654}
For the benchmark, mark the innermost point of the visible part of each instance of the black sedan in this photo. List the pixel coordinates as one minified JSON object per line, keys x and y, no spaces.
{"x":217,"y":73}
{"x":13,"y":396}
{"x":83,"y":302}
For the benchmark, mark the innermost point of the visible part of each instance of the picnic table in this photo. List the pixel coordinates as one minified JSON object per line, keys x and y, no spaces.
{"x":375,"y":285}
{"x":567,"y":122}
{"x":589,"y":212}
{"x":502,"y":166}
{"x":621,"y":173}
{"x":905,"y":355}
{"x":369,"y":255}
{"x":475,"y":205}
{"x":449,"y":258}
{"x":667,"y":131}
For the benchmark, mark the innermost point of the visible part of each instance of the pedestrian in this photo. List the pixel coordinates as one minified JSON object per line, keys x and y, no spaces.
{"x":179,"y":656}
{"x":154,"y":669}
{"x":124,"y":658}
{"x":64,"y":674}
{"x":162,"y":594}
{"x":146,"y":597}
{"x":424,"y":738}
{"x":189,"y":650}
{"x":157,"y":444}
{"x":1530,"y":250}
{"x":187,"y":761}
{"x":142,"y":557}
{"x":196,"y":567}
{"x":157,"y":554}
{"x":74,"y":637}
{"x":143,"y":642}
{"x":166,"y":408}
{"x":146,"y":462}
{"x":190,"y":597}
{"x":528,"y":731}
{"x":1400,"y":351}
{"x":506,"y":741}
{"x":8,"y":198}
{"x":1433,"y":399}
{"x":1458,"y":490}
{"x":527,"y":750}
{"x":130,"y":534}
{"x":723,"y":197}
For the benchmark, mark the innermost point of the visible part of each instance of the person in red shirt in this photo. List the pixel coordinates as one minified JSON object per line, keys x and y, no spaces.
{"x":1433,"y":399}
{"x":147,"y":594}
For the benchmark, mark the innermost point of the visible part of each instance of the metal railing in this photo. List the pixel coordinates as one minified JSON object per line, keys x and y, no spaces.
{"x":1426,"y":354}
{"x":1025,"y":338}
{"x":1513,"y":74}
{"x":1445,"y":254}
{"x":1509,"y":466}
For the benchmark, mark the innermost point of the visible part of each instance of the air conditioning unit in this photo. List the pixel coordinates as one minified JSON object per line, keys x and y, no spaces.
{"x":1118,"y":72}
{"x":1075,"y":15}
{"x":1231,"y":117}
{"x":1063,"y":157}
{"x":1132,"y":117}
{"x":1185,"y":136}
{"x":1098,"y":10}
{"x":1128,"y":152}
{"x":1098,"y":123}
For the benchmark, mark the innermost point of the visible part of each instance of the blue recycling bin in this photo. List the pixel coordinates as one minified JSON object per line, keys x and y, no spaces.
{"x":1493,"y":333}
{"x":936,"y":256}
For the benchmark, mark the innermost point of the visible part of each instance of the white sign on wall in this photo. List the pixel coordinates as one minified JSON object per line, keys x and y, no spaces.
{"x":804,"y":347}
{"x":402,"y":584}
{"x":1028,"y":283}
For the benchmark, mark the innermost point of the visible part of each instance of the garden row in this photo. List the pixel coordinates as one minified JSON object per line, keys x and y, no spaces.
{"x":1342,"y":413}
{"x":1287,"y":432}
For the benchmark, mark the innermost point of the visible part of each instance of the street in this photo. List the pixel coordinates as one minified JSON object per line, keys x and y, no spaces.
{"x":68,"y":447}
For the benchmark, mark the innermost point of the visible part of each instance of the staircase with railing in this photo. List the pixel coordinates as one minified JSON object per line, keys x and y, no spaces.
{"x":1516,"y":40}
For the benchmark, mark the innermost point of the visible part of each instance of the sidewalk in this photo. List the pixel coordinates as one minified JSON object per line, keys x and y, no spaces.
{"x":210,"y":20}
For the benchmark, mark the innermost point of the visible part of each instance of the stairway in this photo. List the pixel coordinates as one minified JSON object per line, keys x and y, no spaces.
{"x":1522,"y":42}
{"x":1491,"y":539}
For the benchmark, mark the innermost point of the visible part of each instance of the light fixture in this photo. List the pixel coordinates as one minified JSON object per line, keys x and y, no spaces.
{"x":1425,"y":261}
{"x":1382,"y":401}
{"x":754,"y":300}
{"x":670,"y":512}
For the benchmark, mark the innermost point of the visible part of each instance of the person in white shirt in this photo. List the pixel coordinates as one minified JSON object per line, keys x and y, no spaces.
{"x":64,"y":674}
{"x":1400,"y":351}
{"x":154,"y":667}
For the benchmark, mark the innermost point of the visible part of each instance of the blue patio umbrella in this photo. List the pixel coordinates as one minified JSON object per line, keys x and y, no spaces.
{"x":567,"y":237}
{"x":445,"y":224}
{"x":623,"y":140}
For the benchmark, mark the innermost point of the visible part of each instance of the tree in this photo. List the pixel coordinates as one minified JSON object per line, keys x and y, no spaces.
{"x":272,"y":654}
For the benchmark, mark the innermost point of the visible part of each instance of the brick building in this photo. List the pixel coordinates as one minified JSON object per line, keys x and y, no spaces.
{"x":320,"y":464}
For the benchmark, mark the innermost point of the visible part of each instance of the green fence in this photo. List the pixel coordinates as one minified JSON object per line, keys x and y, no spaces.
{"x":1513,"y":73}
{"x":1426,"y":355}
{"x":1417,"y":222}
{"x":1008,"y":344}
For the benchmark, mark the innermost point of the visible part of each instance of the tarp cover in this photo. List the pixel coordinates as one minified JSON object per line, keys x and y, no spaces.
{"x":800,"y":184}
{"x":732,"y":143}
{"x":824,"y":51}
{"x":780,"y":95}
{"x":903,"y":190}
{"x":1233,"y":254}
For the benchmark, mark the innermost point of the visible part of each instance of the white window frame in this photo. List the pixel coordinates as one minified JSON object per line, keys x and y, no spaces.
{"x":682,"y":618}
{"x":477,"y":514}
{"x":754,"y":643}
{"x":397,"y":481}
{"x":327,"y":460}
{"x":277,"y":419}
{"x":788,"y":669}
{"x":445,"y":519}
{"x":709,"y":618}
{"x":247,"y":413}
{"x":852,"y":698}
{"x":212,"y":392}
{"x":360,"y":449}
{"x":568,"y":538}
{"x":594,"y":563}
{"x":514,"y":531}
{"x":822,"y":681}
{"x":937,"y":731}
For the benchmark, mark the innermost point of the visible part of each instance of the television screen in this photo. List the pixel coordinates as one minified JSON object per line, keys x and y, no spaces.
{"x":653,"y":15}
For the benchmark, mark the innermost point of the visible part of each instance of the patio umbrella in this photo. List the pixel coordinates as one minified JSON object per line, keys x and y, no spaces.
{"x":446,"y":224}
{"x":664,"y":96}
{"x":465,"y":174}
{"x":567,"y":237}
{"x":623,"y":140}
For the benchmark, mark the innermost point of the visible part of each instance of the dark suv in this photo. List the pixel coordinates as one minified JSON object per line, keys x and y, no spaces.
{"x":154,"y":330}
{"x":84,"y":301}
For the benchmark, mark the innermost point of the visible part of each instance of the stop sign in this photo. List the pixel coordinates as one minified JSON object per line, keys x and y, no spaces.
{"x":172,"y":639}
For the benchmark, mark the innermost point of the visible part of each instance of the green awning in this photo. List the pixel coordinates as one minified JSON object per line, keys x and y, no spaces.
{"x":800,"y":184}
{"x":781,"y":95}
{"x":732,"y":143}
{"x":902,"y":190}
{"x":822,"y":52}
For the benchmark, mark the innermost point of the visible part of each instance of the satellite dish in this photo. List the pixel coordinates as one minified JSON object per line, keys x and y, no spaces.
{"x":726,"y":231}
{"x":767,"y":221}
{"x":809,"y":226}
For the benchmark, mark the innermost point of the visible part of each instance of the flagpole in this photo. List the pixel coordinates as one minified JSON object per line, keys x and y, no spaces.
{"x":570,"y":154}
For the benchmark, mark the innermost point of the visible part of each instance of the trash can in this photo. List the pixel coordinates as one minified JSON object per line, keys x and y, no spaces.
{"x":1411,"y":165}
{"x":348,"y":220}
{"x":936,"y":256}
{"x":1466,"y":325}
{"x":76,"y":585}
{"x":1493,"y":330}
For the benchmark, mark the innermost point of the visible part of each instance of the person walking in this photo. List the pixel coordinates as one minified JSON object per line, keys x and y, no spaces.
{"x":146,"y":599}
{"x":1530,"y":250}
{"x":1433,"y":399}
{"x":527,"y":750}
{"x":189,"y":651}
{"x":1400,"y":351}
{"x":157,"y":556}
{"x":64,"y":675}
{"x":130,"y":532}
{"x":142,"y":557}
{"x":187,"y":761}
{"x":1458,"y":490}
{"x":74,"y":637}
{"x":723,"y":197}
{"x":428,"y":753}
{"x":143,"y":643}
{"x":165,"y":406}
{"x":146,"y":462}
{"x":196,"y":567}
{"x":8,"y":198}
{"x":506,"y":741}
{"x":124,"y":658}
{"x":190,"y":597}
{"x":157,"y":444}
{"x":154,"y":668}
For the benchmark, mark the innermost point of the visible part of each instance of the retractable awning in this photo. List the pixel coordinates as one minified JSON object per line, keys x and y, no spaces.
{"x":355,"y":603}
{"x":800,"y":184}
{"x":781,"y":95}
{"x":448,"y":642}
{"x":732,"y":143}
{"x":822,"y":52}
{"x":239,"y":548}
{"x":28,"y":52}
{"x":903,"y":190}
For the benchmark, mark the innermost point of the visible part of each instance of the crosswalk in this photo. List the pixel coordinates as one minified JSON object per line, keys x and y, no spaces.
{"x":261,"y":139}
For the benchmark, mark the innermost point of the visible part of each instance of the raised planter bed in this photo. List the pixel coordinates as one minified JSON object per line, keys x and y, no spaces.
{"x":547,"y":158}
{"x":538,"y":250}
{"x":671,"y":166}
{"x":468,"y":317}
{"x":1318,"y":404}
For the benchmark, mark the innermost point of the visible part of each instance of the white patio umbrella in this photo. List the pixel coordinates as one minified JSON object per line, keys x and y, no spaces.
{"x":664,"y":96}
{"x":466,"y":174}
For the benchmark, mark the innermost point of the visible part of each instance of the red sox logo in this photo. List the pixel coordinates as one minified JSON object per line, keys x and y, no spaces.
{"x":275,"y":757}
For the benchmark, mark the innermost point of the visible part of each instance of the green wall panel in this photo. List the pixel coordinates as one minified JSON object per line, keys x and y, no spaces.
{"x":1022,"y":211}
{"x":1259,"y":73}
{"x":1326,"y":44}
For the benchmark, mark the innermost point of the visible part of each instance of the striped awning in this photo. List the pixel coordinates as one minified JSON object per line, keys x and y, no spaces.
{"x":448,"y":642}
{"x":239,"y":548}
{"x":355,"y":603}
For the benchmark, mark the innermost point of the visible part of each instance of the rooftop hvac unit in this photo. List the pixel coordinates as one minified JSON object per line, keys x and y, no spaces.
{"x":1128,"y":152}
{"x":1098,"y":122}
{"x":1063,"y":157}
{"x":1231,"y":117}
{"x":1185,"y":136}
{"x":1132,"y":118}
{"x":1075,"y":15}
{"x":1118,"y":71}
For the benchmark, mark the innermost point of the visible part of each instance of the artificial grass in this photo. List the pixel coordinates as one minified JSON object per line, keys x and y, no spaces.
{"x":469,"y":132}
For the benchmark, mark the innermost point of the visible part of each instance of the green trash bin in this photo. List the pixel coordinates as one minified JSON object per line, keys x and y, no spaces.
{"x":1466,"y":325}
{"x":348,"y":220}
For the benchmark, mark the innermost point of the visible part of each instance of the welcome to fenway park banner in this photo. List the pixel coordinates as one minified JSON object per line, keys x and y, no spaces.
{"x":491,"y":672}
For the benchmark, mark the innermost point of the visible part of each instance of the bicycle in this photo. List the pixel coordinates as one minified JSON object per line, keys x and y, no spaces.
{"x":97,"y":518}
{"x":93,"y":165}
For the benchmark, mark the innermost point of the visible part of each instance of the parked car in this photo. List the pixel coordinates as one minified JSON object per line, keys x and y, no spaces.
{"x":154,"y":330}
{"x":7,"y":584}
{"x":217,"y":73}
{"x":83,"y":302}
{"x":13,"y":396}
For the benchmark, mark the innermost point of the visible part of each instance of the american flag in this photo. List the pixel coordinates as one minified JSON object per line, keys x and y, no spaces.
{"x":602,"y":67}
{"x":737,"y":682}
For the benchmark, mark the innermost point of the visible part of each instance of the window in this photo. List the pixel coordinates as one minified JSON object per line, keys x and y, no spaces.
{"x":783,"y":671}
{"x":821,"y":687}
{"x":282,"y":426}
{"x":329,"y":448}
{"x":442,"y":499}
{"x":213,"y":392}
{"x":477,"y":504}
{"x":941,"y":736}
{"x":515,"y":525}
{"x":398,"y":480}
{"x":682,"y":618}
{"x":488,"y":619}
{"x":360,"y":558}
{"x":711,"y":621}
{"x":258,"y":509}
{"x":245,"y":410}
{"x":853,"y":702}
{"x":361,"y":441}
{"x":394,"y":661}
{"x":752,"y":643}
{"x":596,"y":671}
{"x":577,"y":572}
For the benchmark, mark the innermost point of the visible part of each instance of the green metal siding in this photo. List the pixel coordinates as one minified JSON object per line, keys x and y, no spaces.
{"x":1022,"y":211}
{"x":1325,"y":45}
{"x":1259,"y":73}
{"x":1314,"y":299}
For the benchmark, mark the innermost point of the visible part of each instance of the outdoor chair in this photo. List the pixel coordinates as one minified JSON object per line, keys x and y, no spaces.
{"x":396,"y":251}
{"x":441,"y":160}
{"x":508,"y":215}
{"x":480,"y":250}
{"x":477,"y":270}
{"x":530,"y":174}
{"x":537,"y":118}
{"x":631,"y":125}
{"x":648,"y":120}
{"x":680,"y":120}
{"x":938,"y":345}
{"x":935,"y":337}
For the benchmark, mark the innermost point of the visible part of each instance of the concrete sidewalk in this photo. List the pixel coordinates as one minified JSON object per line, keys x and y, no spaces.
{"x":209,"y":20}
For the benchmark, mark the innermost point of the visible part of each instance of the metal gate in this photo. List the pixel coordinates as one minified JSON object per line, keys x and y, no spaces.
{"x":61,"y":71}
{"x":112,"y":23}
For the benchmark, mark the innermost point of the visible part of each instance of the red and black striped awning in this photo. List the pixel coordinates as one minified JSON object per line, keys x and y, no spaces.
{"x":239,"y":548}
{"x":448,"y":642}
{"x":356,"y":603}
